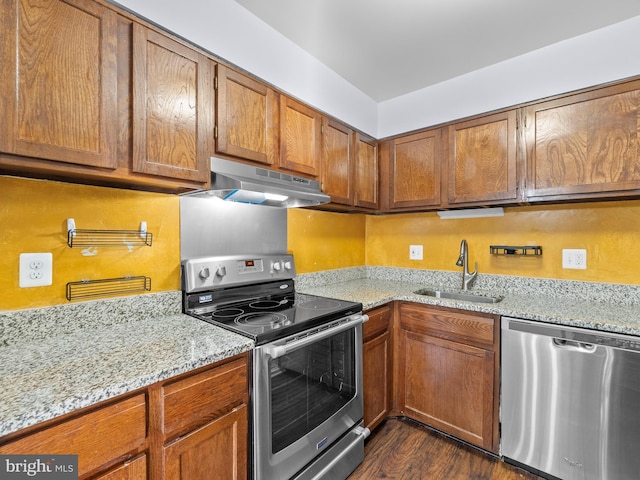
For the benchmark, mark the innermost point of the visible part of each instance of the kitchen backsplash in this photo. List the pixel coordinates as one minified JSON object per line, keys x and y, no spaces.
{"x":609,"y":231}
{"x":33,"y":217}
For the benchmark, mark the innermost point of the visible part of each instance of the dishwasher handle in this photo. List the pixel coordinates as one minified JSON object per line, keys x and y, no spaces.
{"x":573,"y":345}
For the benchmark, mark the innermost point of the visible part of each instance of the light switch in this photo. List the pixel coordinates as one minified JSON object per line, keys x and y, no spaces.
{"x":415,"y":252}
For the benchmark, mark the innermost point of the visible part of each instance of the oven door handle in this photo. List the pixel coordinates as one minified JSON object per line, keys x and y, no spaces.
{"x":276,"y":351}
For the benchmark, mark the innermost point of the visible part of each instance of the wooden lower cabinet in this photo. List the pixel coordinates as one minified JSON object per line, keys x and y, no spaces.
{"x":190,"y":427}
{"x":377,"y":363}
{"x":447,"y":373}
{"x":133,"y":470}
{"x":102,"y":438}
{"x":217,"y":451}
{"x":208,"y":413}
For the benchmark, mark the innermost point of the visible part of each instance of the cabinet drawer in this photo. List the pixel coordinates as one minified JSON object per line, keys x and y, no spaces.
{"x":456,"y":325}
{"x":98,"y":437}
{"x":378,"y":322}
{"x":195,"y":400}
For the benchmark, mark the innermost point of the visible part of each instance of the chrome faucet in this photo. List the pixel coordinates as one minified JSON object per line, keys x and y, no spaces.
{"x":463,"y":261}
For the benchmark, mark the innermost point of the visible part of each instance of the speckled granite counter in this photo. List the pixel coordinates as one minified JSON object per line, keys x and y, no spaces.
{"x":58,"y":359}
{"x":599,"y":306}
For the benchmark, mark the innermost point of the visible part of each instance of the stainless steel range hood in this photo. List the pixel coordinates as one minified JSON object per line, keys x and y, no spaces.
{"x":239,"y":182}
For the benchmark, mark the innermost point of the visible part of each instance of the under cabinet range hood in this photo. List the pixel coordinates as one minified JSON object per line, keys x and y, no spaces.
{"x":239,"y":182}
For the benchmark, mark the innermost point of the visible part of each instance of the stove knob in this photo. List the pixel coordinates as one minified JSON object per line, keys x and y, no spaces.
{"x":287,"y":265}
{"x":222,"y":271}
{"x":204,"y":273}
{"x":276,"y":266}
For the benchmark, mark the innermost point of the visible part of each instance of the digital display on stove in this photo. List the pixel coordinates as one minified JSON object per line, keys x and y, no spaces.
{"x":250,"y":266}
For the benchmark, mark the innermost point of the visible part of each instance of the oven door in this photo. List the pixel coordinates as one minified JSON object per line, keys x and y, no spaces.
{"x":307,"y":393}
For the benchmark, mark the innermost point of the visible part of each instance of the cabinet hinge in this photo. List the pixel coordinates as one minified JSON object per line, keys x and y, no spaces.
{"x":215,"y":132}
{"x":215,"y":82}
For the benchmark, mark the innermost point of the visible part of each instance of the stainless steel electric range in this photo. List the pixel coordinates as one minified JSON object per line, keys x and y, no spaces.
{"x":306,"y":384}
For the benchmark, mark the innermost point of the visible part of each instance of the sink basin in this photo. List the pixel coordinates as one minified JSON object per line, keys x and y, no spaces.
{"x":466,"y":296}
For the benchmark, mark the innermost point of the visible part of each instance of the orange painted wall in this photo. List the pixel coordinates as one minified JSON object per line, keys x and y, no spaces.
{"x":33,"y":216}
{"x":325,"y":240}
{"x":610,"y":231}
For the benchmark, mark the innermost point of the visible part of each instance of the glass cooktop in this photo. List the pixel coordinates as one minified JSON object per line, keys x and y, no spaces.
{"x":267,"y":318}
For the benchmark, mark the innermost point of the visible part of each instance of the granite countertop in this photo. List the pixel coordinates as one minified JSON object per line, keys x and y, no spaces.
{"x":59,"y":359}
{"x":597,"y":306}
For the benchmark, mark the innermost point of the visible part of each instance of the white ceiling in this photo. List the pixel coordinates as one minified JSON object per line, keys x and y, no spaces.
{"x":387,"y":48}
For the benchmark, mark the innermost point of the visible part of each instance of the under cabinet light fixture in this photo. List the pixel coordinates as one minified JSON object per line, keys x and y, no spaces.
{"x":471,"y":213}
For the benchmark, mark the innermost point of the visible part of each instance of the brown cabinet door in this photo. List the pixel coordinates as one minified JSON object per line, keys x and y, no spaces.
{"x":585,"y":146}
{"x":217,"y":451}
{"x":376,"y":371}
{"x":58,"y":81}
{"x":448,"y":364}
{"x":98,"y":437}
{"x":449,"y":386}
{"x":415,"y":170}
{"x":172,"y":108}
{"x":366,"y":172}
{"x":247,"y":117}
{"x":300,"y":137}
{"x":377,"y":357}
{"x":133,"y":470}
{"x":483,"y":160}
{"x":337,"y":155}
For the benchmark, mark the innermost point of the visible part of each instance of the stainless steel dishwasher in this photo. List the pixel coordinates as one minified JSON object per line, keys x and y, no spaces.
{"x":570,"y":401}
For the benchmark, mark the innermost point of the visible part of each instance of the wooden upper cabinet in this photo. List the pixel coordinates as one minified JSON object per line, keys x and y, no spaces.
{"x":337,"y":162}
{"x":415,"y":162}
{"x":247,"y":117}
{"x":172,"y":108}
{"x":482,"y":160}
{"x":300,"y":137}
{"x":58,"y":81}
{"x":585,"y":145}
{"x":366,"y":172}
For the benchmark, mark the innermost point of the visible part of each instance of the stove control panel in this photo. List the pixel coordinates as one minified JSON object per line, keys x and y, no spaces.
{"x":250,"y":266}
{"x":206,"y":273}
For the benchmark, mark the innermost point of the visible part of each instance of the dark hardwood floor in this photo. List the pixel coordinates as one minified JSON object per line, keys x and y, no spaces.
{"x":402,"y":449}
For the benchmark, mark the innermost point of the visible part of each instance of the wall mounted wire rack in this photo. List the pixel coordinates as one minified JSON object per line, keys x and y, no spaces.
{"x":101,"y":238}
{"x":107,"y":287}
{"x":525,"y":250}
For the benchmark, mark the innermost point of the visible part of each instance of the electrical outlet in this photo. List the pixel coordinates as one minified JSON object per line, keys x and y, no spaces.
{"x":415,"y":252}
{"x":36,"y":269}
{"x":574,"y":258}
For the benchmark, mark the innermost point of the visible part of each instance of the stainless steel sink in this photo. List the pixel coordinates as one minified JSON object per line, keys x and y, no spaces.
{"x":465,"y":296}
